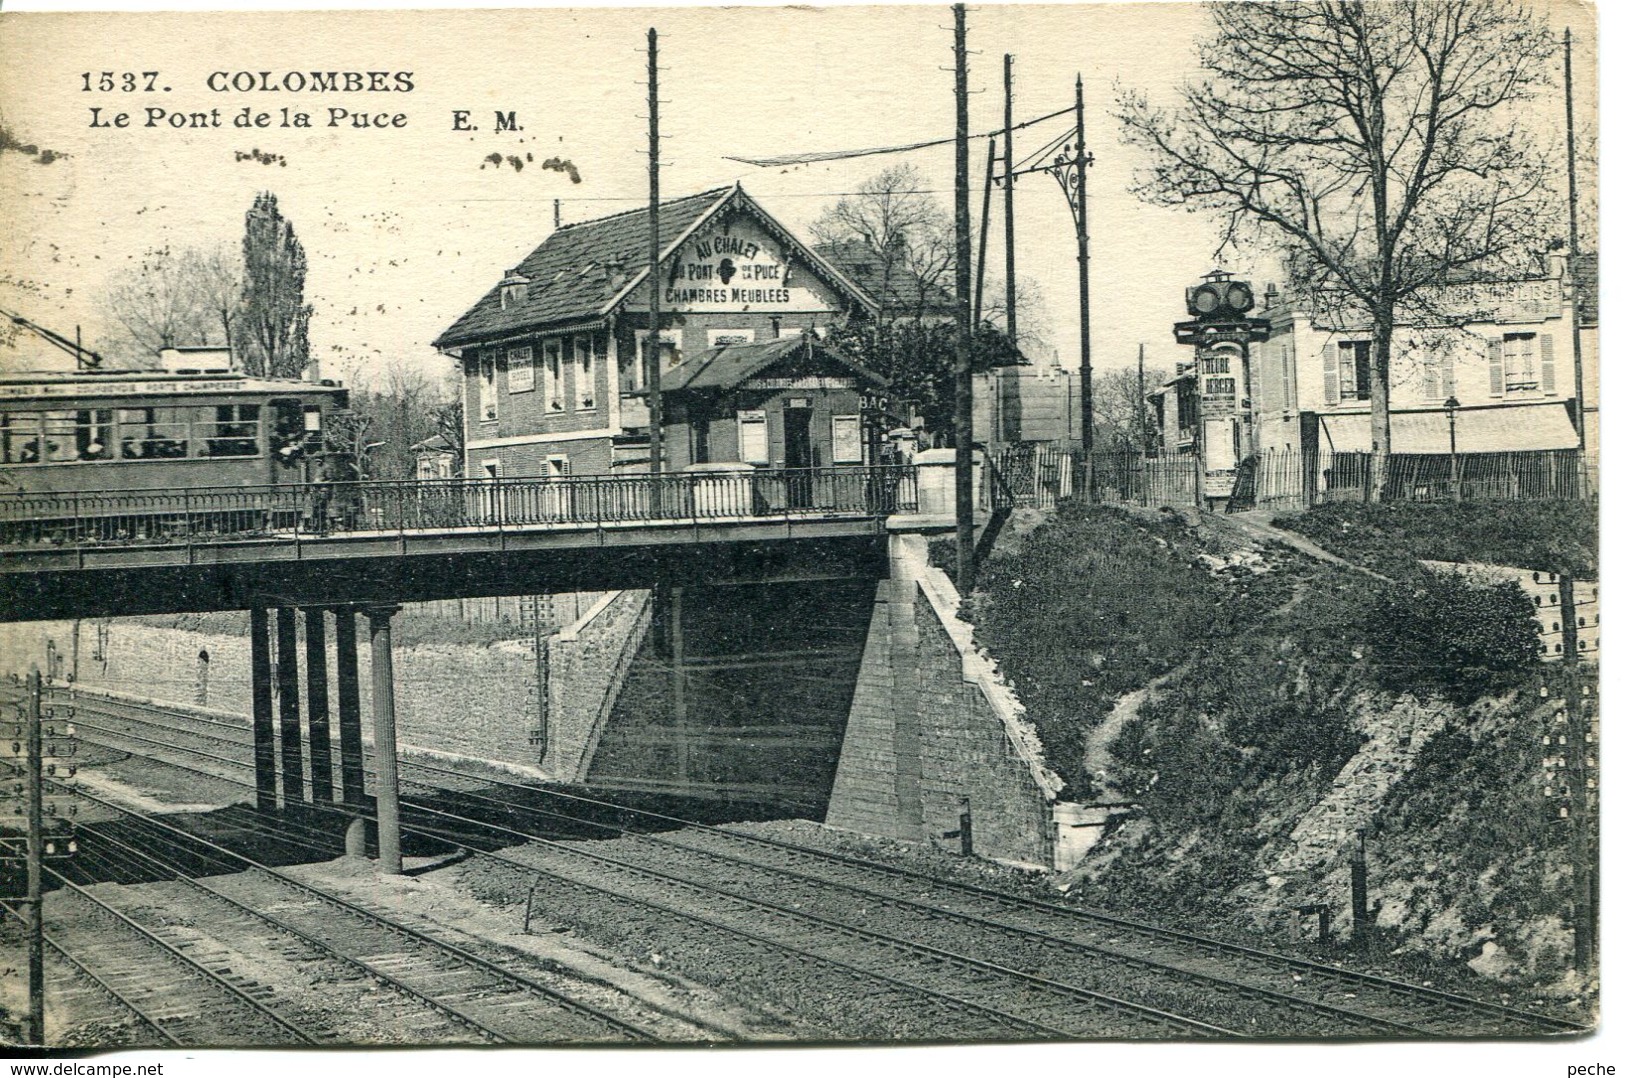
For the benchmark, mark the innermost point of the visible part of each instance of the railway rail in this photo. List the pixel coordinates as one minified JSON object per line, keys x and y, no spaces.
{"x":1296,"y":996}
{"x":494,"y":1003}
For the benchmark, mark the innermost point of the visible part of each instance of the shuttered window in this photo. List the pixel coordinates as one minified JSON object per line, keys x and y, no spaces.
{"x":753,"y":437}
{"x":1518,"y":361}
{"x":1354,"y":370}
{"x":847,"y":438}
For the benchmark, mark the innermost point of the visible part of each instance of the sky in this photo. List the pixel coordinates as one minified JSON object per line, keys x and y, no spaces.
{"x":406,"y":227}
{"x":404,"y":230}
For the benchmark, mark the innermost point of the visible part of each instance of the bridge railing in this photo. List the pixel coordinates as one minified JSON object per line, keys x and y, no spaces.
{"x":222,"y":514}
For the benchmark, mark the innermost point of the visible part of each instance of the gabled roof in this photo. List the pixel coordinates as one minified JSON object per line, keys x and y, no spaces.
{"x":569,"y":276}
{"x":897,"y":289}
{"x":725,"y":367}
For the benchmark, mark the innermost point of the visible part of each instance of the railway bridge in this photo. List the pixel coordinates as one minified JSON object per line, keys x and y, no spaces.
{"x":342,"y":553}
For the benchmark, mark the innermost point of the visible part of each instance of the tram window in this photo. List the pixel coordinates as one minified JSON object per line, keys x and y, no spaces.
{"x":61,"y":437}
{"x":153,"y":433}
{"x":21,"y":438}
{"x":93,"y":434}
{"x":235,"y":431}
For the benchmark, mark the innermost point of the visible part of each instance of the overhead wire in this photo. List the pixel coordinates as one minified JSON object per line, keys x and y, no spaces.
{"x":871,"y":151}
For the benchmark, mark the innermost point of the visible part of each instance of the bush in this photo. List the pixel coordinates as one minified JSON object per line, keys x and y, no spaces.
{"x":1559,"y":537}
{"x":1441,"y":633}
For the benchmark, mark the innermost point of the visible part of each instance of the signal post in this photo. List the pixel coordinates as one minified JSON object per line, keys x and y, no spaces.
{"x":1221,"y":332}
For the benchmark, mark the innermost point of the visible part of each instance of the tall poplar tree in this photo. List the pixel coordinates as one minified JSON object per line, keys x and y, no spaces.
{"x":274,"y":324}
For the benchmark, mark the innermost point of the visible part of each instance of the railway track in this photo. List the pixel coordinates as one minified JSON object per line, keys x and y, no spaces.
{"x":1427,"y":1011}
{"x":1286,"y":996}
{"x":464,"y":996}
{"x":179,"y":994}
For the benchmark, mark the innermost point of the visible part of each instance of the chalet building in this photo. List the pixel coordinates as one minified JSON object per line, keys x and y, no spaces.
{"x":1501,"y":350}
{"x":786,"y":403}
{"x":553,"y":355}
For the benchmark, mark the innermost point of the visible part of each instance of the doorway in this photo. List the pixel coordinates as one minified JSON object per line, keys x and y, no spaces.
{"x":798,"y":452}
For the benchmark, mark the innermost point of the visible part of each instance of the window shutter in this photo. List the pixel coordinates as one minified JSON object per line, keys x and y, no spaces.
{"x":753,"y":437}
{"x":1328,"y":365}
{"x":1498,"y":384}
{"x":1430,"y":378}
{"x":1548,"y":365}
{"x":1447,"y":373}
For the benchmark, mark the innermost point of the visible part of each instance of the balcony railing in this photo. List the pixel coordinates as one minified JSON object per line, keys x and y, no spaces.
{"x":226,"y":514}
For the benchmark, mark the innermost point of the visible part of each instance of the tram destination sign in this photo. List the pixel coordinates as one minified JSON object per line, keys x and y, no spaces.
{"x":122,"y":389}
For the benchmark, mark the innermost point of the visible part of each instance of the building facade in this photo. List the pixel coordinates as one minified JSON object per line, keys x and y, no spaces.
{"x":553,"y":357}
{"x":785,"y":403}
{"x":1490,"y":362}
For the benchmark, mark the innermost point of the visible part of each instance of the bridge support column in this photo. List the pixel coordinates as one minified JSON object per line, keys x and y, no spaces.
{"x":287,"y":677}
{"x":351,"y":769}
{"x":321,"y":737}
{"x":386,"y":783}
{"x":259,"y":646}
{"x":679,"y":685}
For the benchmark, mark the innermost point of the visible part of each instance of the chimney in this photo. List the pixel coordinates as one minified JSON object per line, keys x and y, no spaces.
{"x":1272,"y":296}
{"x":515,"y":287}
{"x":1557,"y":260}
{"x":614,"y":276}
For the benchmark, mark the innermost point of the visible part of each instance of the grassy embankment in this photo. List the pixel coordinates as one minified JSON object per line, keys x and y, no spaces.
{"x":1276,"y":671}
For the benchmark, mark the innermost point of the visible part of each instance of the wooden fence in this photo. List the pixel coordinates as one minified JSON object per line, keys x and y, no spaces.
{"x":1039,"y":476}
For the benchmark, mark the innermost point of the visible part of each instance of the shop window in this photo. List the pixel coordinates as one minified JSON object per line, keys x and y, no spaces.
{"x":521,"y":370}
{"x":584,"y":373}
{"x":753,"y":437}
{"x":846,"y":439}
{"x":488,"y":387}
{"x":1354,"y":370}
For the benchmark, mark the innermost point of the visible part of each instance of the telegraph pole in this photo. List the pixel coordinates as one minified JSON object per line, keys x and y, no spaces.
{"x":1069,"y":169}
{"x":1086,"y":390}
{"x":652,"y":347}
{"x":981,"y":239}
{"x":1574,"y":252}
{"x":1139,"y":403}
{"x":36,"y":874}
{"x":964,"y":495}
{"x":1009,"y":208}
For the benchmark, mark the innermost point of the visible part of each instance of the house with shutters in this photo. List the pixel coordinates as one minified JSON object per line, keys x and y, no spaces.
{"x":553,"y":355}
{"x":1501,"y":351}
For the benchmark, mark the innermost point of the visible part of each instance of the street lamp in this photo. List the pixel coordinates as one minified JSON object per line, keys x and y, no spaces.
{"x":1451,"y":404}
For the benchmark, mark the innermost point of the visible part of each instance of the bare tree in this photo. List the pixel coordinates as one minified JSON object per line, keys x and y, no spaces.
{"x":1378,"y":143}
{"x":1123,"y":420}
{"x":1032,"y":314}
{"x":906,"y":230}
{"x":170,"y":297}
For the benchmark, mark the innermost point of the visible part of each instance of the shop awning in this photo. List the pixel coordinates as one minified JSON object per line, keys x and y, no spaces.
{"x":1501,"y":428}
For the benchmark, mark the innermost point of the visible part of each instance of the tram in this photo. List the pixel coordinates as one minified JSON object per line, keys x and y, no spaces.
{"x":131,"y":455}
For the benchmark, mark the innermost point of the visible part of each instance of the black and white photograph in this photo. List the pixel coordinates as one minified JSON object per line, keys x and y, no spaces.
{"x":929,"y":528}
